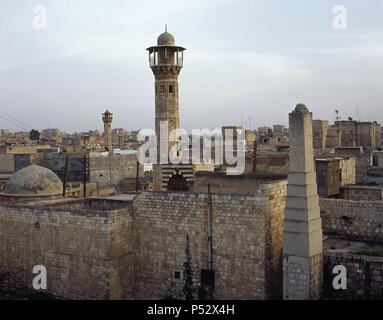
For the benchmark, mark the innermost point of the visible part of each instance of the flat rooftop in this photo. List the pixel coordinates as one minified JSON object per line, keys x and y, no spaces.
{"x":335,"y":245}
{"x":255,"y":176}
{"x":362,"y":187}
{"x":93,"y":204}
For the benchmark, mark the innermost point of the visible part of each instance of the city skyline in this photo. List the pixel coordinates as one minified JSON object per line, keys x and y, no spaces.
{"x":244,"y":59}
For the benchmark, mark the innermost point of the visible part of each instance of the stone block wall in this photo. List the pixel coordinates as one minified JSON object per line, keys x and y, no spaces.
{"x":221,"y":183}
{"x":348,"y":167}
{"x":275,"y":196}
{"x":240,"y":246}
{"x":364,"y":276}
{"x":379,"y":159}
{"x":304,"y":276}
{"x":363,"y":193}
{"x":112,"y":170}
{"x":108,"y":251}
{"x":353,"y":220}
{"x":363,"y":163}
{"x":87,"y":254}
{"x":7,"y":164}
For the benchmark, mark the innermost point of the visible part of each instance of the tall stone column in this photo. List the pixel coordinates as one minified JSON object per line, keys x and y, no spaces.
{"x":302,"y":243}
{"x":107,"y":118}
{"x":166,"y":62}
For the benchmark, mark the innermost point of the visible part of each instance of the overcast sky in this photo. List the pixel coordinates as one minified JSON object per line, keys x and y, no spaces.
{"x":245,"y":58}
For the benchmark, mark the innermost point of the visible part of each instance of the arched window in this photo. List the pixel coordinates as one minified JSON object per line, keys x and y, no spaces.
{"x":178,"y":183}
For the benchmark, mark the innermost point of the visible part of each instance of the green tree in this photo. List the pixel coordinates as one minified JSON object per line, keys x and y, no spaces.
{"x":188,"y":289}
{"x":34,"y":135}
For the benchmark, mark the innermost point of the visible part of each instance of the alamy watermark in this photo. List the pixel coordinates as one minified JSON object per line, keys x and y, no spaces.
{"x":40,"y":280}
{"x":340,"y":18}
{"x":340,"y":280}
{"x":40,"y":17}
{"x":202,"y":147}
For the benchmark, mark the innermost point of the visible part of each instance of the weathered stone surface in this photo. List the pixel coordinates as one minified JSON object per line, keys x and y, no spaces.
{"x":354,"y":220}
{"x":34,"y":180}
{"x":302,"y":243}
{"x":106,"y":251}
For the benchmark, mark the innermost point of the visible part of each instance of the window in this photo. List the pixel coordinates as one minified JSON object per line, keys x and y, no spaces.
{"x":170,"y":89}
{"x":177,"y":275}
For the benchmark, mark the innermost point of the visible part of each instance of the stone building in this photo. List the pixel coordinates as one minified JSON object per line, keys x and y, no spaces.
{"x":134,"y":246}
{"x":354,"y":133}
{"x":320,"y":130}
{"x":101,"y":169}
{"x":332,"y":138}
{"x":334,"y":173}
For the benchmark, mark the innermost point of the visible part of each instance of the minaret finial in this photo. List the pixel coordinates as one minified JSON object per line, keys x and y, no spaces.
{"x":166,"y":28}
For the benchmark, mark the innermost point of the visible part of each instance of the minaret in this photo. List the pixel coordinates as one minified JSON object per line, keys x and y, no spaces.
{"x":302,"y":243}
{"x":107,"y":117}
{"x":166,"y":61}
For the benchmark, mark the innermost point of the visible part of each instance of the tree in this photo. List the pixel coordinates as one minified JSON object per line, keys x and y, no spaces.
{"x":188,"y":273}
{"x":34,"y":135}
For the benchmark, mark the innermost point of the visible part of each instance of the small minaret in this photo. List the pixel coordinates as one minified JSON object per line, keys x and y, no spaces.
{"x":107,"y":117}
{"x":166,"y":61}
{"x":302,"y":243}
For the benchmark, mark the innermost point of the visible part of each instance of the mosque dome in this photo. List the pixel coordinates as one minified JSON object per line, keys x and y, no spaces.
{"x":34,"y":181}
{"x":166,"y":39}
{"x":301,"y":108}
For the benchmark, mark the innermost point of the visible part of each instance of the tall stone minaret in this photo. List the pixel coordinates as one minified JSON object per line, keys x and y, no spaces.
{"x":166,"y":61}
{"x":302,"y":243}
{"x":107,"y":118}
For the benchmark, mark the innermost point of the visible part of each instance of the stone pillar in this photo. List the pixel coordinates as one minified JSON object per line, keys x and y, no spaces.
{"x":302,"y":243}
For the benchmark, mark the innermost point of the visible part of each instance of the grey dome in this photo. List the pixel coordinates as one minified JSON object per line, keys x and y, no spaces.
{"x":166,"y":39}
{"x":34,"y":180}
{"x":301,"y":108}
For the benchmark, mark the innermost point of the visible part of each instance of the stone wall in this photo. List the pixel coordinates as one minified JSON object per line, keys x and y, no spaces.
{"x":163,"y":221}
{"x":320,"y":129}
{"x":221,"y":183}
{"x":113,"y":169}
{"x":348,"y":169}
{"x":275,"y":196}
{"x":363,"y":163}
{"x":56,"y":163}
{"x":272,"y":162}
{"x":102,"y":170}
{"x":364,"y":276}
{"x":363,"y":193}
{"x":7,"y":164}
{"x":102,"y":249}
{"x":353,"y":220}
{"x":88,"y":254}
{"x":378,"y":156}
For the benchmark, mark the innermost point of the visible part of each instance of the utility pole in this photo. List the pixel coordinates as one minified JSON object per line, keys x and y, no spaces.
{"x":137,"y":175}
{"x":210,"y":230}
{"x":65,"y":175}
{"x":255,"y":147}
{"x":84,"y":175}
